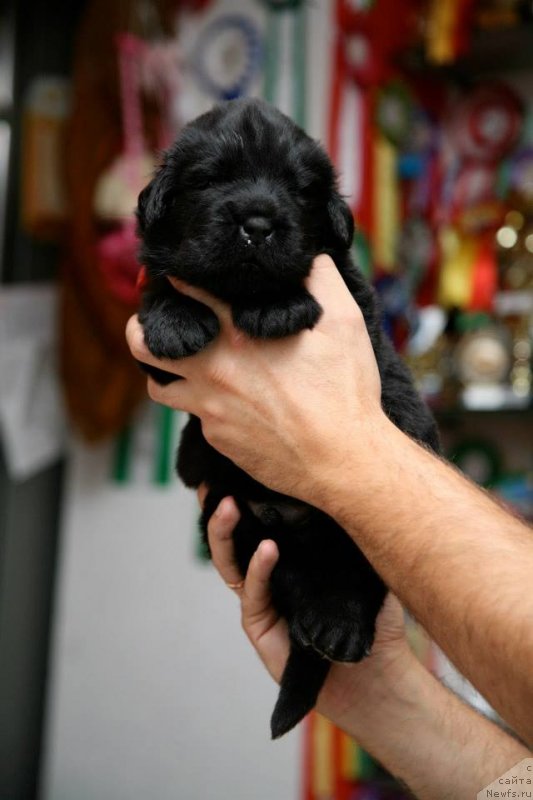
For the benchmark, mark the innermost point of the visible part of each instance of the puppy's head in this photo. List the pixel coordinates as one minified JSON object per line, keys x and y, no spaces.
{"x":243,"y":202}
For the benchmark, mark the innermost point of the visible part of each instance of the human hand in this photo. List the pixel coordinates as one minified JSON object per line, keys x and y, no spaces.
{"x":346,"y":684}
{"x":289,"y":410}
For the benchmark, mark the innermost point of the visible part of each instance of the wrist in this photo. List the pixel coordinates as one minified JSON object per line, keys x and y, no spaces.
{"x":382,"y":686}
{"x":350,"y":465}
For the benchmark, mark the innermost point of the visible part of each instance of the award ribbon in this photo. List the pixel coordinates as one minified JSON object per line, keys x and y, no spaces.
{"x":486,"y":123}
{"x":395,"y":118}
{"x":365,"y":46}
{"x":124,"y":271}
{"x":286,"y":45}
{"x":484,"y":277}
{"x":228,"y":55}
{"x":351,"y":139}
{"x":448,"y":29}
{"x":153,"y":436}
{"x":458,"y":256}
{"x":386,"y":211}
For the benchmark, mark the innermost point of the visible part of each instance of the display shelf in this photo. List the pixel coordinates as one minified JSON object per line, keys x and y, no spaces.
{"x":443,"y":412}
{"x":453,"y":416}
{"x":491,"y":51}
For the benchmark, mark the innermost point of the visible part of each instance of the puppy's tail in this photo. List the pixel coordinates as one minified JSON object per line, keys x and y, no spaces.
{"x":302,"y":679}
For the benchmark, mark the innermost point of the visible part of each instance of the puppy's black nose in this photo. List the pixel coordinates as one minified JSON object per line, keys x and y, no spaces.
{"x":256,"y":230}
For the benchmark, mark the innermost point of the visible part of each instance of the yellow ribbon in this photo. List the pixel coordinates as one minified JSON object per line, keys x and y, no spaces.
{"x":457,"y":268}
{"x":440,"y":36}
{"x":386,"y":198}
{"x":323,"y":781}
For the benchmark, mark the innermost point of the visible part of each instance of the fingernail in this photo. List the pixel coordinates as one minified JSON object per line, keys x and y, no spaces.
{"x":222,"y":508}
{"x":262,"y":551}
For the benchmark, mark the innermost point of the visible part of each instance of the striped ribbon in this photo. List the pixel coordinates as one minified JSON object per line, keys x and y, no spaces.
{"x":163,"y":423}
{"x":285,"y":46}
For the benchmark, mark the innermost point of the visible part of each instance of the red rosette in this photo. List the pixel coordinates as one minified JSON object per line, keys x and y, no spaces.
{"x":474,"y":184}
{"x":486,"y":124}
{"x":361,"y":61}
{"x":373,"y":34}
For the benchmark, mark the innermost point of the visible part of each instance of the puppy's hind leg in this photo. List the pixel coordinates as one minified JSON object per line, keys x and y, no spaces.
{"x":301,"y":682}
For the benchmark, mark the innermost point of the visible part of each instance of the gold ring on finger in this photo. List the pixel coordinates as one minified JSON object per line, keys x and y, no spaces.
{"x":235,"y":586}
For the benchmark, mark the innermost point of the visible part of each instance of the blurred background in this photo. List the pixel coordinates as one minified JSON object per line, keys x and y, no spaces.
{"x":123,"y":670}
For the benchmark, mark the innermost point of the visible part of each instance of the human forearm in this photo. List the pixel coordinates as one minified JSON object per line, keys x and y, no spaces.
{"x":404,"y":711}
{"x":460,"y":563}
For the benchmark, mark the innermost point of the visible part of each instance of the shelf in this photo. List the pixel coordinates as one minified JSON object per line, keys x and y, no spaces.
{"x":451,"y":413}
{"x":491,"y":51}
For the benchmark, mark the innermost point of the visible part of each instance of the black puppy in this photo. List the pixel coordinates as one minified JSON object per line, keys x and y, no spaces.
{"x":242,"y":204}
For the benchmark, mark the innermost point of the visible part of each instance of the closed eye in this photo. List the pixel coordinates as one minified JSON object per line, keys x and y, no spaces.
{"x":201,"y":179}
{"x":197,"y":181}
{"x":203,"y":183}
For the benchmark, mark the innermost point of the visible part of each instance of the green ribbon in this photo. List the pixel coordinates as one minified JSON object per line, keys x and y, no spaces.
{"x":362,"y":254}
{"x":164,"y":460}
{"x":299,"y":54}
{"x":201,"y":549}
{"x":121,"y":467}
{"x":163,"y":467}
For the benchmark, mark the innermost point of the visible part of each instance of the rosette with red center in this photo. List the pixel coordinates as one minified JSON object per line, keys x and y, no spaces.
{"x":486,"y":123}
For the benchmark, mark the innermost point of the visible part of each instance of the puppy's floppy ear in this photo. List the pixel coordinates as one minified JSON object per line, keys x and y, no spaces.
{"x":340,"y":222}
{"x":154,"y":200}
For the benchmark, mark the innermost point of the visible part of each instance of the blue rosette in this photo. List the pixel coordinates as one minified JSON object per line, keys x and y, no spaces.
{"x":240,"y":48}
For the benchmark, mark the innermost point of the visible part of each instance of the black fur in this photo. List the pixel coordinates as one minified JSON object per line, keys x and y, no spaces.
{"x":240,"y":207}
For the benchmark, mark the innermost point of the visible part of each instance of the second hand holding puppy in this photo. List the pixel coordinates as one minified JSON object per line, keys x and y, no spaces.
{"x":267,"y":631}
{"x":388,"y":702}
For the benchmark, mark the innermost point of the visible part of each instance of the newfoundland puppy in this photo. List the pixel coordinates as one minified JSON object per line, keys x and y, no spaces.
{"x":240,"y":207}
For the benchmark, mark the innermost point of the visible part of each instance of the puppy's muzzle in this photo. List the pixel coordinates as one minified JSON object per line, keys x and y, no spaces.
{"x":257,"y":230}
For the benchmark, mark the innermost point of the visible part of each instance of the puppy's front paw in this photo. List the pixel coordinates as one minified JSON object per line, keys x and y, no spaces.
{"x":178,"y":329}
{"x":339,"y":631}
{"x":283,"y":318}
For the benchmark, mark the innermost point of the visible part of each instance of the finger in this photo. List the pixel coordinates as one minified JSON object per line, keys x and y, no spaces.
{"x":261,"y":622}
{"x":327,"y":286}
{"x":179,"y":395}
{"x":257,"y":611}
{"x":139,"y":350}
{"x":222,"y":310}
{"x":220,"y":535}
